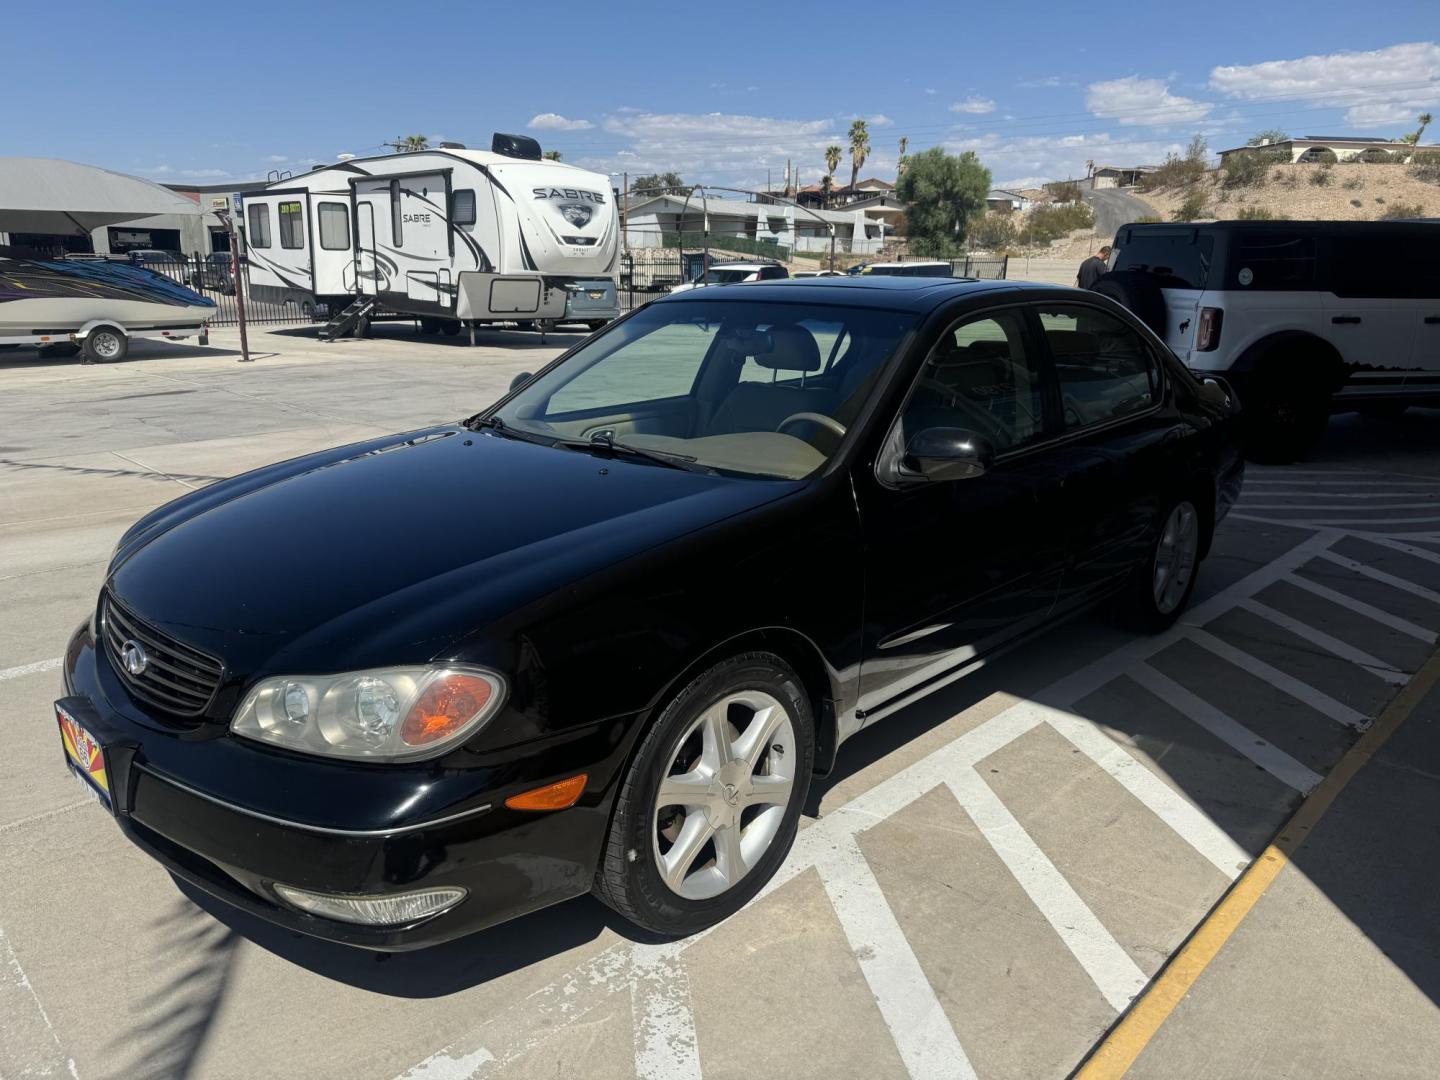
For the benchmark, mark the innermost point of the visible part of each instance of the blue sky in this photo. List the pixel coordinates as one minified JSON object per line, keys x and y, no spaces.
{"x":723,"y":93}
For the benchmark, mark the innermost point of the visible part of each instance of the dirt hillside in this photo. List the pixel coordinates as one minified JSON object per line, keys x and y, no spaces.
{"x":1345,"y":192}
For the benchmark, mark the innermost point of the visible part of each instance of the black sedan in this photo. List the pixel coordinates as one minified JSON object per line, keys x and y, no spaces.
{"x":600,"y":636}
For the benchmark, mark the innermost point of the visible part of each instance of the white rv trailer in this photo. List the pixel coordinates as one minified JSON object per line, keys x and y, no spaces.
{"x":455,"y":235}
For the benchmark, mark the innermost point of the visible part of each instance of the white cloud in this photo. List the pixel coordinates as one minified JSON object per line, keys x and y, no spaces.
{"x":1047,"y":83}
{"x":929,"y":90}
{"x":879,"y":120}
{"x":973,"y":104}
{"x":1134,"y":101}
{"x":549,"y":121}
{"x":1022,"y":162}
{"x":276,"y":159}
{"x":1376,"y":88}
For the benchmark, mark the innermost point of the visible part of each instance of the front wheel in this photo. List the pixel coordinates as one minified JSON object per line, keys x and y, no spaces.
{"x":106,"y":344}
{"x":1161,"y":588}
{"x":710,"y":805}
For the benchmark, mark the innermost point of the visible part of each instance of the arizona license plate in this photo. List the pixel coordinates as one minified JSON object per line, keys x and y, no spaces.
{"x":84,"y":755}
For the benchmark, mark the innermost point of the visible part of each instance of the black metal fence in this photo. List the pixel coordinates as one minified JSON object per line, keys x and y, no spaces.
{"x":211,"y":276}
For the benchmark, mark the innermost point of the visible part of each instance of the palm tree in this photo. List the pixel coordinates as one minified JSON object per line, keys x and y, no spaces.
{"x":408,"y":144}
{"x":859,"y":150}
{"x":900,"y":161}
{"x":832,"y":162}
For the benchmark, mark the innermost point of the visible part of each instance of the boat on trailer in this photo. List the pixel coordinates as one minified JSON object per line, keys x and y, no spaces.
{"x":64,"y":306}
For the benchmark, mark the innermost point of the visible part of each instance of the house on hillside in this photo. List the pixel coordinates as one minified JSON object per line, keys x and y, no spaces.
{"x":1118,"y":176}
{"x":1344,"y":147}
{"x":659,"y":221}
{"x":1006,"y":202}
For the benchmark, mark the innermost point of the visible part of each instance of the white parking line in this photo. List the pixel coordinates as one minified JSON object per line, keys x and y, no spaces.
{"x":1381,"y":576}
{"x":1367,"y":522}
{"x":1109,"y":966}
{"x":28,"y":1035}
{"x":1408,"y":549}
{"x":31,"y":669}
{"x":665,"y":1042}
{"x":1236,"y":735}
{"x":906,"y":1000}
{"x":1333,"y":645}
{"x":1301,"y":691}
{"x":1360,"y":607}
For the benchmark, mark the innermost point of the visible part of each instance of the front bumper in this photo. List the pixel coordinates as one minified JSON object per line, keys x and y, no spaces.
{"x":509,"y":862}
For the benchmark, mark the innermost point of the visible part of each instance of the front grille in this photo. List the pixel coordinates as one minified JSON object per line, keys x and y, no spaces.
{"x":177,"y":678}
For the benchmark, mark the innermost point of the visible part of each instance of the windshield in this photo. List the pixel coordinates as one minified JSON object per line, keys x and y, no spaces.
{"x":723,"y":277}
{"x":758,"y":389}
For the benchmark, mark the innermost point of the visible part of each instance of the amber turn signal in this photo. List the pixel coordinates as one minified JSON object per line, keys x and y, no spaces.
{"x":556,"y":796}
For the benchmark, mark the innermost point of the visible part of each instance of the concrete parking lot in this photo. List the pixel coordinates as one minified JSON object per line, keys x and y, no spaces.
{"x":986,"y":883}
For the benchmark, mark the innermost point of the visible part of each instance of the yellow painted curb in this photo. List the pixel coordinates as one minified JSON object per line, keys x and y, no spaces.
{"x":1125,"y":1041}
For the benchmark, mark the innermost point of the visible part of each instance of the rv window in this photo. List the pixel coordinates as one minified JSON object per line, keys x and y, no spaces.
{"x":462,"y":207}
{"x":334,"y":226}
{"x":259,"y":225}
{"x":292,"y":230}
{"x":396,"y":232}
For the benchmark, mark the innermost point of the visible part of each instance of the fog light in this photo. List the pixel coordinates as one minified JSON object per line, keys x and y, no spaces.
{"x":394,"y":909}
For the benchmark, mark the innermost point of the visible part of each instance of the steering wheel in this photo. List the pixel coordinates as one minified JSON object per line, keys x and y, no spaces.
{"x":829,"y":423}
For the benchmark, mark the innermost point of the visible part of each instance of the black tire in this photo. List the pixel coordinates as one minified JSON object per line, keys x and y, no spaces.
{"x":594,"y":326}
{"x":627,"y":878}
{"x":106,"y":345}
{"x":450,"y":327}
{"x":362,"y":328}
{"x":1138,"y":292}
{"x":1138,"y":607}
{"x":1284,"y":415}
{"x":307,"y":310}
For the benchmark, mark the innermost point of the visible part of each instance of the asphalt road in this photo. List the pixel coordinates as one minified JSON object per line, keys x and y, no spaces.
{"x":990,"y":877}
{"x":1114,"y":208}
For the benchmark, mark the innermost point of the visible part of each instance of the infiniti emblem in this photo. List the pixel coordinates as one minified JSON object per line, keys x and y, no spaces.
{"x":133,"y":656}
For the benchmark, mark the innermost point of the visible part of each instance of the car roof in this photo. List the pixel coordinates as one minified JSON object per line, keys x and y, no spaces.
{"x":894,"y":293}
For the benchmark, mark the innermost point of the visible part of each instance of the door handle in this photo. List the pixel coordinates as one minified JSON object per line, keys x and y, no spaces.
{"x":1432,"y":320}
{"x":1351,"y":320}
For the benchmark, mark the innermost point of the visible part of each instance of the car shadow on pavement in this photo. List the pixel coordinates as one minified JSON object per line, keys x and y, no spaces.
{"x":434,"y":972}
{"x":140,"y":352}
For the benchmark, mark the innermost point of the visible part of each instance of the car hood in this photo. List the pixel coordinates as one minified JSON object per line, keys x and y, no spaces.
{"x":393,"y":551}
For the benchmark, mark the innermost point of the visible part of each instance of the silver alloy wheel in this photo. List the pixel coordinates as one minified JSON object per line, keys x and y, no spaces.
{"x":1175,"y":557}
{"x":106,"y":344}
{"x":729,"y":781}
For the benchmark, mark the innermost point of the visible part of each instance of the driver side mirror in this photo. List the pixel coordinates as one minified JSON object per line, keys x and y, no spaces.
{"x":520,"y":380}
{"x":944,"y":453}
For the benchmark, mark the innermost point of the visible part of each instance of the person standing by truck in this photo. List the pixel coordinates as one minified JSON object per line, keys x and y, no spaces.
{"x":1093,"y":267}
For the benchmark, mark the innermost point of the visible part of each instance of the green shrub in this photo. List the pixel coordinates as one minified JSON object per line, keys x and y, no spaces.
{"x":1426,"y":167}
{"x":1322,"y":177}
{"x":1376,"y":157}
{"x":1396,"y":211}
{"x":1067,"y":191}
{"x":1325,"y":157}
{"x":992,"y":231}
{"x":1250,"y":168}
{"x":1192,"y":208}
{"x":1352,"y":184}
{"x":1255,"y":213}
{"x":1047,"y":223}
{"x":1177,"y":171}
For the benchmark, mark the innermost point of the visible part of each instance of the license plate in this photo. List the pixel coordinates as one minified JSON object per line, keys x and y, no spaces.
{"x":84,"y":755}
{"x":596,"y":294}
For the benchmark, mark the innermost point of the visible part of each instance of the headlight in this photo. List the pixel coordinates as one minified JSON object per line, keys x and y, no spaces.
{"x":389,"y":714}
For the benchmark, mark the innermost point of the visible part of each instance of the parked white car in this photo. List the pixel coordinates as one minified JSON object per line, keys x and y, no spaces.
{"x":734,"y":273}
{"x":1302,"y":318}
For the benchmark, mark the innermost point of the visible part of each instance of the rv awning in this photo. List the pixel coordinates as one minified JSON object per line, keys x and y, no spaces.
{"x":47,"y":195}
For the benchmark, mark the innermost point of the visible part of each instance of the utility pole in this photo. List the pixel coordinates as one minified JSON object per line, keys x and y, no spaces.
{"x":225,"y":216}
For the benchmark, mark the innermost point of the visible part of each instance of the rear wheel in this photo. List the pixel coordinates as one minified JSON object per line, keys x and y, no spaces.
{"x":1161,"y":588}
{"x":1284,"y":415}
{"x":106,"y":344}
{"x":710,"y":805}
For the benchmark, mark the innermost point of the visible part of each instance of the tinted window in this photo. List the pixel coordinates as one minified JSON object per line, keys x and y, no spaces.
{"x":1272,"y":261}
{"x":1179,"y":260}
{"x":1394,"y":264}
{"x":662,"y":364}
{"x":769,"y":272}
{"x":827,"y":337}
{"x":259,"y":225}
{"x":1104,"y":368}
{"x":334,"y":226}
{"x":292,"y":229}
{"x":982,"y":377}
{"x":462,"y":207}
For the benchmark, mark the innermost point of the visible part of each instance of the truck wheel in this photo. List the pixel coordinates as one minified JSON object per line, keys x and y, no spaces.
{"x":597,"y":325}
{"x":1283,"y":418}
{"x":307,"y":310}
{"x":106,"y":344}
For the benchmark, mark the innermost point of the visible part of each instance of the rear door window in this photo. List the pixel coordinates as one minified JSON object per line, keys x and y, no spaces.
{"x":1389,"y":266}
{"x":1105,"y":370}
{"x":1177,"y":260}
{"x":1270,"y":261}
